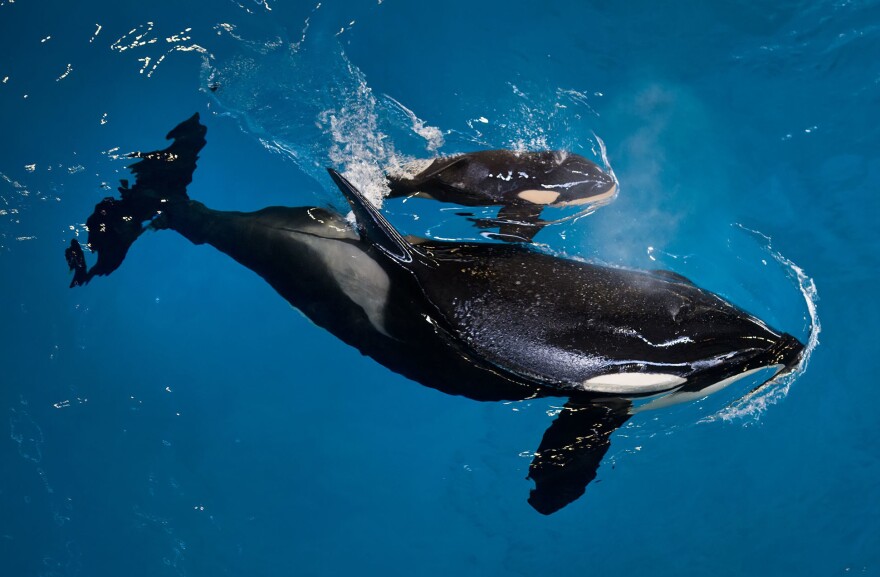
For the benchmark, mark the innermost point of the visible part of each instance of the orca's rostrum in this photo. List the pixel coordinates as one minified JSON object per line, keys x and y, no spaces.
{"x":487,"y":321}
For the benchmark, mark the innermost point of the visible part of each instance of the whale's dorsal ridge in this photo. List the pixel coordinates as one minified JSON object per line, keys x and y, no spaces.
{"x":374,"y":228}
{"x":673,"y":276}
{"x":441,"y":164}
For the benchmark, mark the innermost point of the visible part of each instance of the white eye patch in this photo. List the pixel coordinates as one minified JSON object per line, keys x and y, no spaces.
{"x":633,"y":383}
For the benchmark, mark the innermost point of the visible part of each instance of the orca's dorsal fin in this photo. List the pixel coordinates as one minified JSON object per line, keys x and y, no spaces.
{"x":371,"y":224}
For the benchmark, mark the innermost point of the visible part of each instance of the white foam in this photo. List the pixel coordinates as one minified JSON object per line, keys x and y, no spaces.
{"x":358,"y":145}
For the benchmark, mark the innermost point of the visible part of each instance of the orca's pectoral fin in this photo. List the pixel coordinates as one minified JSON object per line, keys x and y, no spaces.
{"x":515,"y":222}
{"x":76,"y":260}
{"x":571,"y":451}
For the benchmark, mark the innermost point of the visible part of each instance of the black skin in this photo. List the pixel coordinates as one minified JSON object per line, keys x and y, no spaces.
{"x":441,"y":296}
{"x":497,"y":177}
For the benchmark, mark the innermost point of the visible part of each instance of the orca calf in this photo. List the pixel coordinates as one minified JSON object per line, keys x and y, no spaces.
{"x":488,"y":321}
{"x":522,"y":183}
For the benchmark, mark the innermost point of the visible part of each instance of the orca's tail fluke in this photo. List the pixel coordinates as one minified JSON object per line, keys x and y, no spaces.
{"x":161,"y":178}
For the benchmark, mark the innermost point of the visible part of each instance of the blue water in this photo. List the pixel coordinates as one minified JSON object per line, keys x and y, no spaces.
{"x":178,"y":418}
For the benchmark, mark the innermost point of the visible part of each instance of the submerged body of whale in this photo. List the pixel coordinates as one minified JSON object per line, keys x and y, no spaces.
{"x":487,"y":321}
{"x":522,"y":183}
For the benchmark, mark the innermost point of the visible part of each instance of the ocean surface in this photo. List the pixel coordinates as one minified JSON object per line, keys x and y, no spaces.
{"x":179,"y":418}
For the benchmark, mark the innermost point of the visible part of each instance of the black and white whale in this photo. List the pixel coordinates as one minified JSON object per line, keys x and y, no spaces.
{"x":488,"y":321}
{"x":522,"y":183}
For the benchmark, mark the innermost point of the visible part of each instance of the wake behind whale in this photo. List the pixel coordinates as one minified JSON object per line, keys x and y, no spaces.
{"x":486,"y":321}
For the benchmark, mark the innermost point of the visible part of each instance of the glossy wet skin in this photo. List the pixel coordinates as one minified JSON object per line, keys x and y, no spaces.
{"x":570,"y":326}
{"x":492,"y":177}
{"x":318,"y":263}
{"x":564,"y":323}
{"x":522,"y":183}
{"x":525,"y":323}
{"x":487,"y":321}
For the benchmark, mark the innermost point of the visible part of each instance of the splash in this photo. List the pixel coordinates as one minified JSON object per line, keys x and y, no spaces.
{"x":358,"y":145}
{"x":756,"y":402}
{"x":318,"y":110}
{"x":432,"y":135}
{"x":537,"y":118}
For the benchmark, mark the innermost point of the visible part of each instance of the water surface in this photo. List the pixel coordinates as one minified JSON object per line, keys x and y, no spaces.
{"x":178,"y":418}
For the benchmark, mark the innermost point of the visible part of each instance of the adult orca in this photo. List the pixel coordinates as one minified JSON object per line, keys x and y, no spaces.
{"x":488,"y":321}
{"x":522,"y":183}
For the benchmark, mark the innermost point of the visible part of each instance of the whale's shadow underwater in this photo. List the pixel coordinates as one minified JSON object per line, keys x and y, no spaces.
{"x":487,"y":321}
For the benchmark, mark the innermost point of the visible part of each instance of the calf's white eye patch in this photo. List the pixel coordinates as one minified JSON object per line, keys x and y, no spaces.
{"x":539,"y":196}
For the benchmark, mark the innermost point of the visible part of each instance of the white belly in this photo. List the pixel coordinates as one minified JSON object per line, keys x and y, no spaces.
{"x":358,"y":275}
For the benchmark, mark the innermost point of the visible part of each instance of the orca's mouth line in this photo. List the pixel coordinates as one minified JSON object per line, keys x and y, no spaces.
{"x":755,"y":402}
